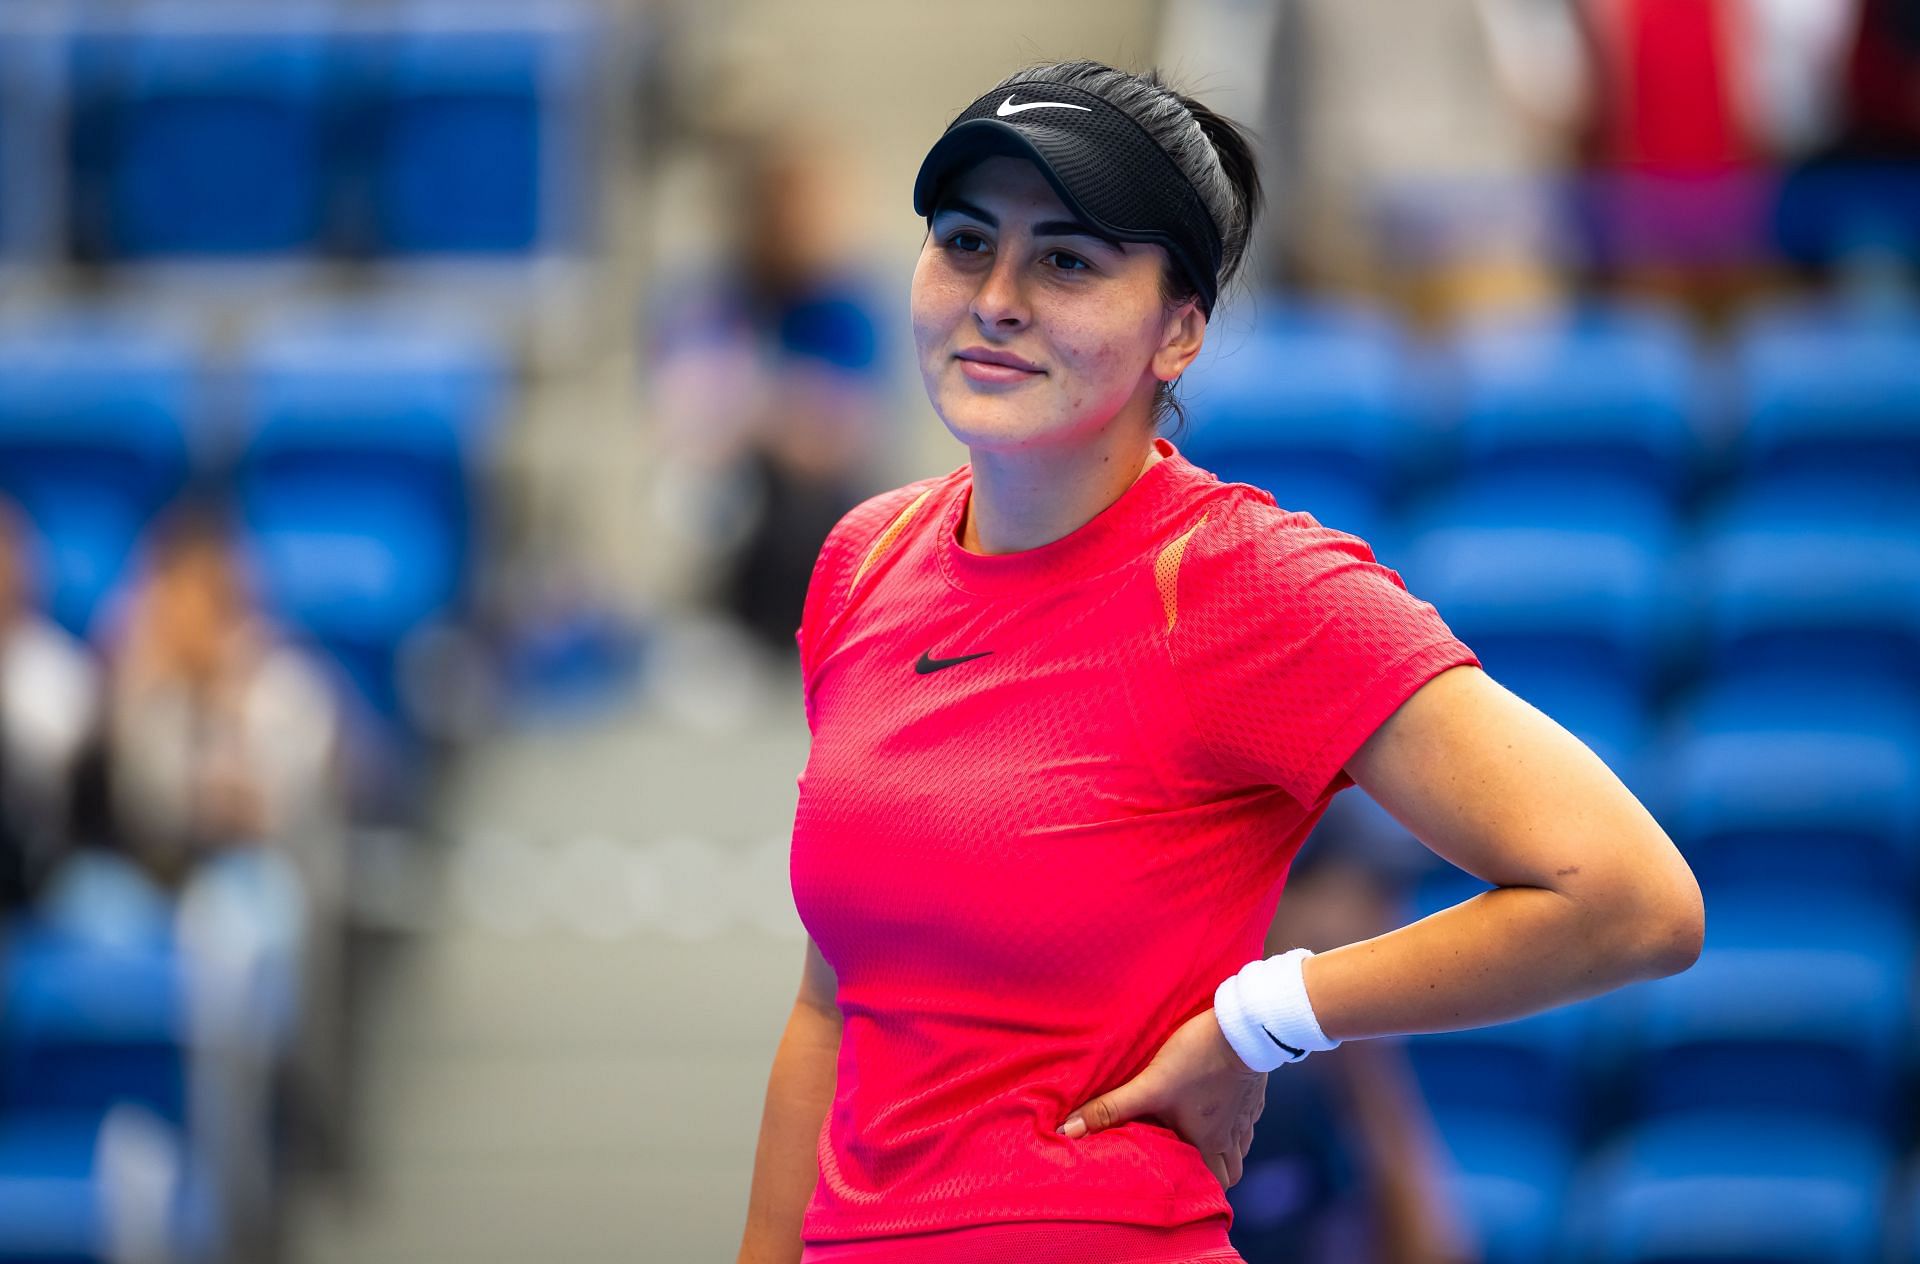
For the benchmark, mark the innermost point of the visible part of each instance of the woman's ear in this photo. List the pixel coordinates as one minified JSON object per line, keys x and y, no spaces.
{"x":1180,"y":341}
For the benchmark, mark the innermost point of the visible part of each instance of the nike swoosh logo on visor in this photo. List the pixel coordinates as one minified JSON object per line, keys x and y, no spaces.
{"x":1008,"y":107}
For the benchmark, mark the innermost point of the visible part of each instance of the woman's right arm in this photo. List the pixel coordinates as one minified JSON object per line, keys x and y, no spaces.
{"x":786,"y":1162}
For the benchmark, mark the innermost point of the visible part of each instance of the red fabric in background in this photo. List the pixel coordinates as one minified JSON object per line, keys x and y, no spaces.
{"x":1668,"y":87}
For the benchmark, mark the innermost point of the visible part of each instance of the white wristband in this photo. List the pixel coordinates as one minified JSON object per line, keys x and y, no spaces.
{"x":1264,"y":1013}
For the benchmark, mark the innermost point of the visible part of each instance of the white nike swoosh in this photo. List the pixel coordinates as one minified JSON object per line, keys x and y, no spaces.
{"x":1008,"y":107}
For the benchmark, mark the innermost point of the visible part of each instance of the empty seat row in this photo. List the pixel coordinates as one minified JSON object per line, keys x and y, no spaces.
{"x":1340,"y":411}
{"x":1751,"y":1107}
{"x":1705,"y":1188}
{"x":1798,"y":1005}
{"x":138,"y":1041}
{"x":192,"y":128}
{"x":1610,"y":615}
{"x":1798,"y":567}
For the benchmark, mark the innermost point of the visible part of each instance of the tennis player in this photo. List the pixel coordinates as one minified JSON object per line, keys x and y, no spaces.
{"x":1075,"y":706}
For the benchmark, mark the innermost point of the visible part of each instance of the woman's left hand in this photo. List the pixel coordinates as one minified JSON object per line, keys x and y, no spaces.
{"x":1196,"y":1085}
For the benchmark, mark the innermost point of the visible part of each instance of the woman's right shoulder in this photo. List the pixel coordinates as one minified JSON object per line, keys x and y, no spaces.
{"x":861,"y":527}
{"x":860,"y":535}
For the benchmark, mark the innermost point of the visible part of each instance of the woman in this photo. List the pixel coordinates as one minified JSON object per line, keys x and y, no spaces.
{"x":1076,"y":704}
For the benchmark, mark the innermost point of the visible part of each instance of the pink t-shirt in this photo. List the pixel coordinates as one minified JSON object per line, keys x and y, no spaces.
{"x":1051,"y":802}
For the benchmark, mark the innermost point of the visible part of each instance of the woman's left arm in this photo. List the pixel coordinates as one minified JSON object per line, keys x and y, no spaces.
{"x":1590,"y":893}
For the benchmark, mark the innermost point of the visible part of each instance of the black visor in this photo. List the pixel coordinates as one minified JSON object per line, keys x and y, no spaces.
{"x":1102,"y":163}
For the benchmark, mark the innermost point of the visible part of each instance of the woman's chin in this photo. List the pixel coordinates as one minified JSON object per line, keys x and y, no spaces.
{"x":993,"y":427}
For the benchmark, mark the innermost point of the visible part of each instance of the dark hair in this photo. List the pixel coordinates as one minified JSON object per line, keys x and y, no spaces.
{"x":1211,"y":150}
{"x":200,"y":517}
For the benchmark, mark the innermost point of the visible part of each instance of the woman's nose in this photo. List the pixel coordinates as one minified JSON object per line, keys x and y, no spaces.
{"x":1000,"y":302}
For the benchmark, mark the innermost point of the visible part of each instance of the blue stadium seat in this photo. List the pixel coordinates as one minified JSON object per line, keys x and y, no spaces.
{"x":1510,"y":1176}
{"x":1440,"y":887}
{"x":63,"y":1178}
{"x":96,"y":418}
{"x":115,"y":1003}
{"x":1611,"y":393}
{"x":478,"y":127}
{"x":1732,"y":1187}
{"x":89,"y":1025}
{"x":201,"y":128}
{"x":1532,"y":1068}
{"x":32,"y":51}
{"x":1535,"y":1069}
{"x":1564,"y":594}
{"x":1799,"y":1005}
{"x":1364,"y":833}
{"x":1312,"y":404}
{"x":50,"y":1200}
{"x":363,"y":431}
{"x":1803,"y":781}
{"x":1813,"y":571}
{"x":1828,"y":389}
{"x":1830,"y":210}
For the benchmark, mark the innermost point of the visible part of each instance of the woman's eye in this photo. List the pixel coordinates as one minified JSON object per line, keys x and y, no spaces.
{"x":957,"y":237}
{"x":1073,"y":262}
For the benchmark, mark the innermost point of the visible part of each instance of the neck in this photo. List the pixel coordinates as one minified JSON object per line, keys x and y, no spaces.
{"x":1023,"y":500}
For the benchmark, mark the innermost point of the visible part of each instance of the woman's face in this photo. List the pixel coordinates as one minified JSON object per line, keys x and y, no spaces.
{"x":1007,"y":270}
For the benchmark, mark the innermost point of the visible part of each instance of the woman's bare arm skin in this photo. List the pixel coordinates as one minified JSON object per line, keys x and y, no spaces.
{"x":1590,"y":892}
{"x":786,"y":1163}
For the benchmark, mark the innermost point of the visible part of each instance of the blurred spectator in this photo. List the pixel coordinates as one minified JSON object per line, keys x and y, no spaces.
{"x":49,"y":699}
{"x":1346,"y":1163}
{"x":215,"y":788}
{"x":1529,"y":147}
{"x":1852,"y":205}
{"x":1665,"y":133}
{"x":1681,"y":110}
{"x":1667,"y":79}
{"x":219,"y":734}
{"x":769,"y":374}
{"x":1882,"y":97}
{"x":1793,"y":97}
{"x":1429,"y":194}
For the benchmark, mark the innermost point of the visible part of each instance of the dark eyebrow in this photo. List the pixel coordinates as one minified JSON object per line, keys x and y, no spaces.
{"x":1046,"y":228}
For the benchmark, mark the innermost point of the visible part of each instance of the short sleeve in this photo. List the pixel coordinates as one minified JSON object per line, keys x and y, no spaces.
{"x":834,"y":569}
{"x":826,"y":587}
{"x":1292,"y":644}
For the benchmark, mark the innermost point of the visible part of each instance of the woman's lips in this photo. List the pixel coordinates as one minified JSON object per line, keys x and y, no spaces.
{"x":981,"y":371}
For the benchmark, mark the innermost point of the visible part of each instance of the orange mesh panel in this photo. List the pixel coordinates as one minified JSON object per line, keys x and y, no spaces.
{"x":1166,"y":569}
{"x":888,"y":536}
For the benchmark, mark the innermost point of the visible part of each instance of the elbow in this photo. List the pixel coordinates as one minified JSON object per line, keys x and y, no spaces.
{"x":1647,"y":926}
{"x":1646,"y":912}
{"x":1669,"y":929}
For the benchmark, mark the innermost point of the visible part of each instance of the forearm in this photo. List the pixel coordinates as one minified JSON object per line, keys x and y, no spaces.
{"x":1502,"y":955}
{"x":786,"y":1160}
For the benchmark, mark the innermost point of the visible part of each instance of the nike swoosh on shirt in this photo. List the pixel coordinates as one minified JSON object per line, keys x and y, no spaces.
{"x":928,"y":663}
{"x":1008,"y":107}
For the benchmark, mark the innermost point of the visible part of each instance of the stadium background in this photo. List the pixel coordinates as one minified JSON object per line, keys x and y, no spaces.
{"x":530,"y":349}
